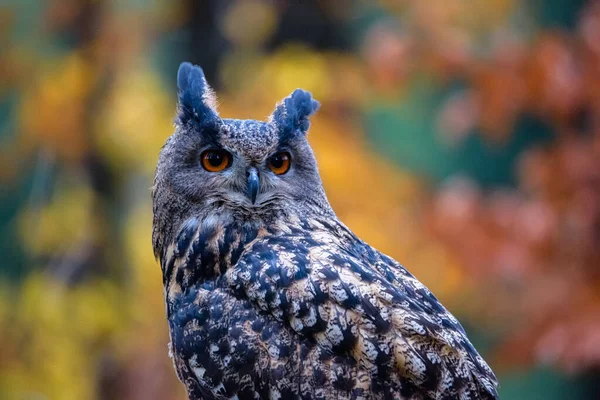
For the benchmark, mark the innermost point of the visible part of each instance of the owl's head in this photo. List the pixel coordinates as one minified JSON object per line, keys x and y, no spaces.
{"x":243,"y":169}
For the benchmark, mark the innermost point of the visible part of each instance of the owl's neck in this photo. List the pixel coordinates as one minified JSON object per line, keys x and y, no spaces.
{"x":204,"y":248}
{"x":172,"y":211}
{"x":201,"y":248}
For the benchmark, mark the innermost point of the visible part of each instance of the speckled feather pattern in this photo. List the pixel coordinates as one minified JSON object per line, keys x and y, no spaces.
{"x":307,"y":310}
{"x":277,"y":299}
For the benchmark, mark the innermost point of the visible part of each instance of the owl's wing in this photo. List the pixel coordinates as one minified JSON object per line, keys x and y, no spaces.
{"x":353,"y":301}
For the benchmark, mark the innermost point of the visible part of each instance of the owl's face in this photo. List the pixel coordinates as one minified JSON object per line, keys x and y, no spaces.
{"x":250,"y":170}
{"x":245,"y":166}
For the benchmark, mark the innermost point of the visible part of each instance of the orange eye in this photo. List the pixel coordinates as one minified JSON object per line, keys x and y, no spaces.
{"x":215,"y":160}
{"x":280,"y":163}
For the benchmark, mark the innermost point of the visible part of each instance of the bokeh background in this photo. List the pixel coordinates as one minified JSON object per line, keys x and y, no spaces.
{"x":460,"y":137}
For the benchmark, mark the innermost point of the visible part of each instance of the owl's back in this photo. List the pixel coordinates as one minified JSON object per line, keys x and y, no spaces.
{"x":307,"y":310}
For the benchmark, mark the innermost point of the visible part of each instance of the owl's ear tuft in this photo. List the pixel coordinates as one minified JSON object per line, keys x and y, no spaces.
{"x":197,"y":102}
{"x":291,"y":115}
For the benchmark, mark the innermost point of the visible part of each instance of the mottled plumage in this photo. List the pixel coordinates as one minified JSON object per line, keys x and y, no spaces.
{"x":276,"y":298}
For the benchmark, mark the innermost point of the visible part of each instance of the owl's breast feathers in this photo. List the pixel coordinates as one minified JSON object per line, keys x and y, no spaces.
{"x":308,"y":310}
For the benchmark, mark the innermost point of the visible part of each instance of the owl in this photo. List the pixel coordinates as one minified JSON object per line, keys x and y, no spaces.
{"x":268,"y":294}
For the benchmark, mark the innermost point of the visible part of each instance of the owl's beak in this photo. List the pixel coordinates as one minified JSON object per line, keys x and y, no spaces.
{"x":253,"y":184}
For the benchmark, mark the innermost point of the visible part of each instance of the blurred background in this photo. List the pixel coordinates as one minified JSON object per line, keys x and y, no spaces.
{"x":460,"y":137}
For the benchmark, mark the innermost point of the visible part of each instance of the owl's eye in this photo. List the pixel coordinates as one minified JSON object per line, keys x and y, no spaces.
{"x":215,"y":160}
{"x":280,"y":163}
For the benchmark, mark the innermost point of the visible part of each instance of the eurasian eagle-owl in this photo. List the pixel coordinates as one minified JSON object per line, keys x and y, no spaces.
{"x":268,"y":295}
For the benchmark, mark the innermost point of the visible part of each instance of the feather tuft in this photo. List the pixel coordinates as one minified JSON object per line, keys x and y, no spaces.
{"x":197,"y":101}
{"x":292,"y":114}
